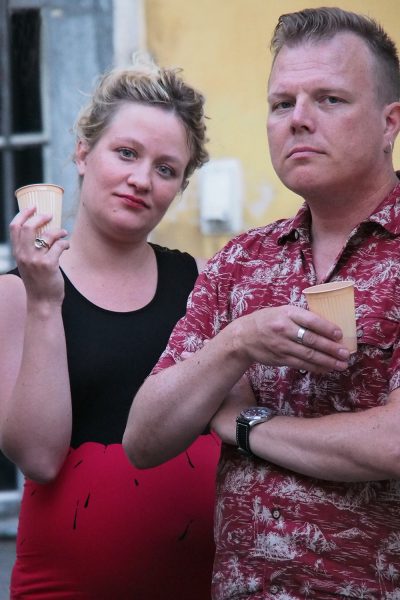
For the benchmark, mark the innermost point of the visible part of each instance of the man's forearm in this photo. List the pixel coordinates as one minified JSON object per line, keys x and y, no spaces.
{"x":174,"y":406}
{"x":362,"y":446}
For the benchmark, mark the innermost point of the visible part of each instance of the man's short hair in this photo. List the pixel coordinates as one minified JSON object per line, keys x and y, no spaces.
{"x":323,"y":23}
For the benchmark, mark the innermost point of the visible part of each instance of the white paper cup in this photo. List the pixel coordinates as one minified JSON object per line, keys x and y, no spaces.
{"x":335,"y":301}
{"x":47,"y":198}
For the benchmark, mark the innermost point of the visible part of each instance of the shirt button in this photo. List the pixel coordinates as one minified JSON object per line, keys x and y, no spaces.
{"x":276,"y":513}
{"x":302,"y":371}
{"x":274,"y":589}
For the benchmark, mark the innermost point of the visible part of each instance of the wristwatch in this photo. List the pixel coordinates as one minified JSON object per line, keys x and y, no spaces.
{"x":248,"y":418}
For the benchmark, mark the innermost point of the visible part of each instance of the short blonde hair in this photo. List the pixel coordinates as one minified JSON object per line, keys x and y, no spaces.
{"x":146,"y":83}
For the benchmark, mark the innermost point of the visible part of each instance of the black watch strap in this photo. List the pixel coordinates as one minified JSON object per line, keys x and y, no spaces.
{"x":248,"y":419}
{"x":242,"y":436}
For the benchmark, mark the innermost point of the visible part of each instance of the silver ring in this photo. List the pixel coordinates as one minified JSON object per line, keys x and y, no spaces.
{"x":300,"y":335}
{"x":41,"y":243}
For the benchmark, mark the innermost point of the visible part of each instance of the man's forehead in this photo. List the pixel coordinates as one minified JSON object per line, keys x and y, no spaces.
{"x":328,"y":56}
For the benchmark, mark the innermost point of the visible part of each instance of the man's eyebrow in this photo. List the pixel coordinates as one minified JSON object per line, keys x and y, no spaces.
{"x":330,"y":91}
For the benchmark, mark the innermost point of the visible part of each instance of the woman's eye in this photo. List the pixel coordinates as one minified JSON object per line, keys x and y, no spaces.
{"x":126,"y":153}
{"x":165,"y":171}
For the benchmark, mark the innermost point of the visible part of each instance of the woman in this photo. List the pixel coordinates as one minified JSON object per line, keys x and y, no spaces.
{"x":86,"y":320}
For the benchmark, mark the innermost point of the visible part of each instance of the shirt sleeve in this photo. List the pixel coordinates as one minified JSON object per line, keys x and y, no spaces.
{"x":208,"y":309}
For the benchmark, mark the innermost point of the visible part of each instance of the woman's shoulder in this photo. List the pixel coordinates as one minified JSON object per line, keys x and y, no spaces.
{"x":175,"y":268}
{"x":175,"y":252}
{"x":174,"y":257}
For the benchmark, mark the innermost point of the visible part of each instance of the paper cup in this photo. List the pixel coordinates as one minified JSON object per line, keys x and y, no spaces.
{"x":47,"y":198}
{"x":335,"y":301}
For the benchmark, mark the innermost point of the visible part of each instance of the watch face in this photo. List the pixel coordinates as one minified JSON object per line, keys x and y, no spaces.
{"x":255,"y":412}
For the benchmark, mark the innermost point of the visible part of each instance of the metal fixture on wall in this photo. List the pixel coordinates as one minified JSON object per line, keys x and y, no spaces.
{"x":221,"y":196}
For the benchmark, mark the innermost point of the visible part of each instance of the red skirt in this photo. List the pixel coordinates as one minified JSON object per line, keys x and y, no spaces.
{"x":105,"y":530}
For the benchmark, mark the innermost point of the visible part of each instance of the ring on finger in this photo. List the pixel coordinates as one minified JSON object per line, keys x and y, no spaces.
{"x":41,"y":243}
{"x":300,"y":335}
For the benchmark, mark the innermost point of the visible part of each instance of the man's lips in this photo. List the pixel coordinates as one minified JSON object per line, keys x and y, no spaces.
{"x":303,"y":150}
{"x":133,"y":200}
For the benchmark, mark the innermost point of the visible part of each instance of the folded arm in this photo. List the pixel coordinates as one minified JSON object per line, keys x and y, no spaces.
{"x":174,"y":406}
{"x":360,"y":446}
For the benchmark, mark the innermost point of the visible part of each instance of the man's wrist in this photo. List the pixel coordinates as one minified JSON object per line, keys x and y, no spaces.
{"x":246,"y":421}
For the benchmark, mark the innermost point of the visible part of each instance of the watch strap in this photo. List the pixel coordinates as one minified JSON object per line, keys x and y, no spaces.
{"x":244,"y":425}
{"x":242,"y":436}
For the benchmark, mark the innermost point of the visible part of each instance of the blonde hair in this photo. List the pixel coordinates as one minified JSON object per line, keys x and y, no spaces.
{"x":146,"y":83}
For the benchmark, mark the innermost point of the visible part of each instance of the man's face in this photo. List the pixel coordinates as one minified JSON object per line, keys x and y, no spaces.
{"x":325,"y":123}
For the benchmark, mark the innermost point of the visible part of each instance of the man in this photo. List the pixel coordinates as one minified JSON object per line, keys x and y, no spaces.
{"x":311,"y":508}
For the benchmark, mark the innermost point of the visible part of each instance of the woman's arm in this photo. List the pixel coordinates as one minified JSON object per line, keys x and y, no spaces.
{"x":35,"y":400}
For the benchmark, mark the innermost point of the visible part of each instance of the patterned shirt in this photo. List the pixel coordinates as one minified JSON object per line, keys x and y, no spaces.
{"x":281,"y":535}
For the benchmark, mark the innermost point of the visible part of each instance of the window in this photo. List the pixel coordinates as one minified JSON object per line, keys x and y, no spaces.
{"x":21,"y":135}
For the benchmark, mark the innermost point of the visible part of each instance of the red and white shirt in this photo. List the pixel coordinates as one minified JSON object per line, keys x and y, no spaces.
{"x":281,"y":535}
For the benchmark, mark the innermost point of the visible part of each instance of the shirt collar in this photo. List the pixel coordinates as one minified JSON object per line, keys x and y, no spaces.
{"x":387,"y":215}
{"x":297,"y":226}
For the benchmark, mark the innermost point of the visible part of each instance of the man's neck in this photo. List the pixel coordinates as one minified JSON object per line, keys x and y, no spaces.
{"x":333,"y":221}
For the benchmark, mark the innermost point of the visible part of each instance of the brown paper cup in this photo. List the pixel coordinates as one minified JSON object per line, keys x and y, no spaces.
{"x":335,"y":301}
{"x":47,"y":198}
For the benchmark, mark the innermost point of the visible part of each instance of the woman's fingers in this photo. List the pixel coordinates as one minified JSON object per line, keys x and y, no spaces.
{"x":24,"y":230}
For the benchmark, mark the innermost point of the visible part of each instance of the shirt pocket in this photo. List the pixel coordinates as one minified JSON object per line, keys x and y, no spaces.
{"x":378,"y":332}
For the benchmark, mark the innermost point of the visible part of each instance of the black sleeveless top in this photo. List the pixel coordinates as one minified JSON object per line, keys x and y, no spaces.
{"x":111,"y":353}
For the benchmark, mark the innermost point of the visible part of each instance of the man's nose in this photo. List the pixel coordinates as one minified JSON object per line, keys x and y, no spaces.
{"x":303,"y":116}
{"x":140,"y":175}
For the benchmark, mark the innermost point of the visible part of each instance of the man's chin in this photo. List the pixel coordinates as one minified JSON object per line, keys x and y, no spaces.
{"x":304,"y":185}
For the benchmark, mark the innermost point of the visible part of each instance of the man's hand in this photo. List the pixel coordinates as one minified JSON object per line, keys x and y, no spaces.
{"x":270,"y":336}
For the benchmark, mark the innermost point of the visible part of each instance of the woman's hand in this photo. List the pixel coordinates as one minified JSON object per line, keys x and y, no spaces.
{"x":38,"y":266}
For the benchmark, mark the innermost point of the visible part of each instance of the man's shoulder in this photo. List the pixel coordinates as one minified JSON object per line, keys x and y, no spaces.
{"x":271,"y":230}
{"x":255,"y":240}
{"x":256,"y":249}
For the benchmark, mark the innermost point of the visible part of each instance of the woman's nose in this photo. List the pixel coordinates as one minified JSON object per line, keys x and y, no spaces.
{"x":140,"y":176}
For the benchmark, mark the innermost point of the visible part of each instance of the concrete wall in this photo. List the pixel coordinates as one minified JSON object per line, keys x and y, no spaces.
{"x":77,"y":46}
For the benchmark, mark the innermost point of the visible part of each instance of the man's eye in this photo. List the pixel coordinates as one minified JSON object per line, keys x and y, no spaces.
{"x":332,"y":100}
{"x":284,"y":105}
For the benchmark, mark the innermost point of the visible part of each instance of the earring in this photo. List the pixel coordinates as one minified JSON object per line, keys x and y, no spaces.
{"x":389,"y":148}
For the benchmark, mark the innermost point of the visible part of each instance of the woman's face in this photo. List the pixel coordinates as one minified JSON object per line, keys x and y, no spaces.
{"x":134,"y":171}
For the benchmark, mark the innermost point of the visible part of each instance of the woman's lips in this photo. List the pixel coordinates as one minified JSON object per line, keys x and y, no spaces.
{"x":133,"y":201}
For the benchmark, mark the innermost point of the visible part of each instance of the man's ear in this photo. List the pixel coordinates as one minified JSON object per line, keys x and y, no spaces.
{"x":392,"y":121}
{"x":81,"y":152}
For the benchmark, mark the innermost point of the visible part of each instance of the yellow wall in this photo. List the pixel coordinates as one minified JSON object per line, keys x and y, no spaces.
{"x":223,"y":47}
